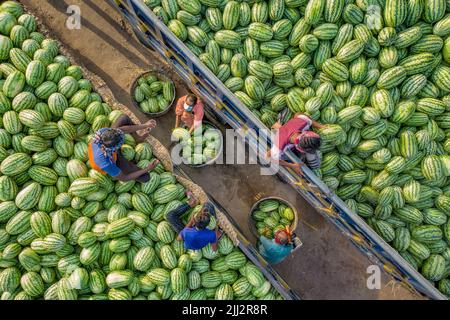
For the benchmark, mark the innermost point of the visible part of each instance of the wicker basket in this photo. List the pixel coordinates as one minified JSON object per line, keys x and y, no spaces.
{"x":160,"y":76}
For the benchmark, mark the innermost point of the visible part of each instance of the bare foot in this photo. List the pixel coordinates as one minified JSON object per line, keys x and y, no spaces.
{"x":277,"y":125}
{"x":141,"y":138}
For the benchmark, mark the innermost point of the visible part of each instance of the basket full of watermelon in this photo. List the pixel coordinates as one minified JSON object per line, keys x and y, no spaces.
{"x":271,"y":214}
{"x":153,"y":93}
{"x":197,"y":149}
{"x":191,"y":212}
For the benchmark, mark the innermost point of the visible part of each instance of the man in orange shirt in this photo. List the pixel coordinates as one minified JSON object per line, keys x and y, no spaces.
{"x":190,"y":111}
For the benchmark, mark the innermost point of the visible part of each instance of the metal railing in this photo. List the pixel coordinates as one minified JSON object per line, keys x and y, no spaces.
{"x":155,"y":35}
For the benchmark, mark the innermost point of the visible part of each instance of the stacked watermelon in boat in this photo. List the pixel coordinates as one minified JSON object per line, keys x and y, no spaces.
{"x":375,"y":72}
{"x":201,"y":146}
{"x":271,"y":216}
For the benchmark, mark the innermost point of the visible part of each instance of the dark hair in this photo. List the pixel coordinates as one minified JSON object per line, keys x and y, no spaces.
{"x":202,"y":219}
{"x":310,"y":143}
{"x":111,"y":138}
{"x":193,"y":97}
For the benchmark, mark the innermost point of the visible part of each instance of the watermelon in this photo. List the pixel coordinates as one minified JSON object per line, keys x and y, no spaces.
{"x":15,"y":164}
{"x":83,"y":186}
{"x":434,"y":267}
{"x":228,"y":39}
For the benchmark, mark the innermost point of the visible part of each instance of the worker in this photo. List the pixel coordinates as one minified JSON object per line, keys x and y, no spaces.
{"x":104,"y":150}
{"x":277,"y":249}
{"x":295,"y":135}
{"x":195,"y":235}
{"x":190,"y":111}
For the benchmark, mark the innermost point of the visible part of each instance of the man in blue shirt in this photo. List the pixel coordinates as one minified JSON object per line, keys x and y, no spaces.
{"x":277,"y":249}
{"x":195,"y":235}
{"x":104,"y":150}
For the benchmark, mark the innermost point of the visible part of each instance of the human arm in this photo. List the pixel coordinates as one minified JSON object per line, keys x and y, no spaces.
{"x":177,"y":121}
{"x":212,"y":211}
{"x":296,"y":166}
{"x":317,"y":125}
{"x":208,"y":206}
{"x":266,"y":243}
{"x":191,"y":129}
{"x":191,"y":222}
{"x":313,"y":160}
{"x":136,"y":127}
{"x":277,"y":125}
{"x":134,"y":175}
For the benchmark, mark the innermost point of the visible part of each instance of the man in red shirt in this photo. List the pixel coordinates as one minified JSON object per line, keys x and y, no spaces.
{"x":190,"y":111}
{"x":295,"y":134}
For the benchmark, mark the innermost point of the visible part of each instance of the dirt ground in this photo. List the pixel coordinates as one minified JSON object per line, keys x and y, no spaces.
{"x":328,"y":266}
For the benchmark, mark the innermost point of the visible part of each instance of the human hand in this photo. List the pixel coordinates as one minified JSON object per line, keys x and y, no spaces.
{"x":191,"y":221}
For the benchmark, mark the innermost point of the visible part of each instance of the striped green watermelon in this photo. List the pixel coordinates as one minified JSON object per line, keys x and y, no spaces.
{"x":228,"y":39}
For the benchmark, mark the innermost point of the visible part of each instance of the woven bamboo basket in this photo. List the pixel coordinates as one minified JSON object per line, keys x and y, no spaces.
{"x":252,"y":224}
{"x":210,"y":161}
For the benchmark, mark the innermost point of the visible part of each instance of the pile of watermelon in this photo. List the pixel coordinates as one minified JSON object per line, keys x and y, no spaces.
{"x":69,"y":232}
{"x":154,"y":95}
{"x":271,"y":216}
{"x":375,"y":71}
{"x":199,"y":149}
